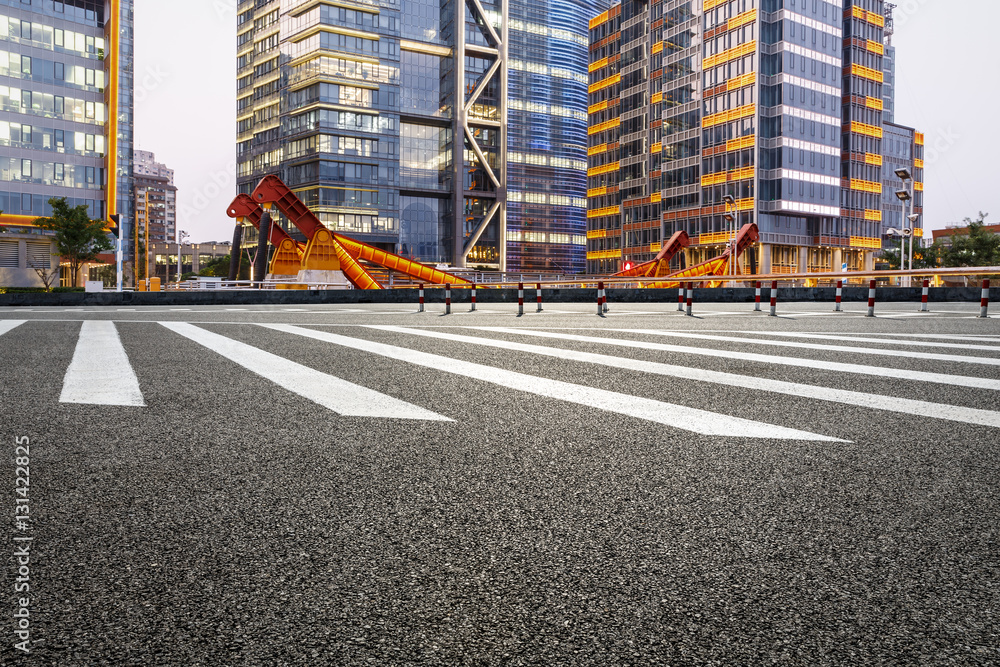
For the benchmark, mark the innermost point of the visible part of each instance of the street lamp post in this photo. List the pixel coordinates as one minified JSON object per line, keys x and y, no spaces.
{"x":913,"y":232}
{"x":182,"y":237}
{"x":905,"y":196}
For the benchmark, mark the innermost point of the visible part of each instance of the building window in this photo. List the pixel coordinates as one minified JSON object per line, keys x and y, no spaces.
{"x":25,"y":168}
{"x":60,"y":71}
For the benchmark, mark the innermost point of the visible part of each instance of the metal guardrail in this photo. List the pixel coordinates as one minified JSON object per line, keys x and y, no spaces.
{"x":487,"y":280}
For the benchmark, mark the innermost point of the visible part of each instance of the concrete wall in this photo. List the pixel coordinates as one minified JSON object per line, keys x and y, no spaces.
{"x":562,"y":295}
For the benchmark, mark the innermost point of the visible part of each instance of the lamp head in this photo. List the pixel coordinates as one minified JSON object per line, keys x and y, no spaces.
{"x":729,"y":199}
{"x":913,"y":217}
{"x":903,"y":195}
{"x":903,"y":173}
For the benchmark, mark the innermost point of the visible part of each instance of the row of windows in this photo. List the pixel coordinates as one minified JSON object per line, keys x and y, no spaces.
{"x":52,"y":39}
{"x":51,"y":106}
{"x":25,"y":170}
{"x":60,"y":141}
{"x":47,"y":71}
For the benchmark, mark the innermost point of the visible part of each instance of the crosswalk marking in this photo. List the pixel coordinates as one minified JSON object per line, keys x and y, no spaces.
{"x":971,"y":338}
{"x":340,"y":396}
{"x":855,"y":398}
{"x":909,"y":354}
{"x":682,"y":417}
{"x":7,"y":325}
{"x":100,"y":373}
{"x":879,"y":371}
{"x":883,"y":341}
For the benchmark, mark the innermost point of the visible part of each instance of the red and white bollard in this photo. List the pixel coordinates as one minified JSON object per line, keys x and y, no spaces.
{"x":420,"y":309}
{"x":538,"y":296}
{"x":840,"y":296}
{"x":871,"y":298}
{"x":756,"y":297}
{"x":600,"y":299}
{"x":604,"y":299}
{"x":473,"y":298}
{"x":984,"y":303}
{"x":924,"y":295}
{"x":447,"y":298}
{"x":520,"y":299}
{"x":690,"y":297}
{"x":774,"y":299}
{"x":680,"y":298}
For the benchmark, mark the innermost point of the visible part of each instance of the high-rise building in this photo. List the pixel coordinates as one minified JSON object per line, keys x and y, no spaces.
{"x":391,"y":119}
{"x":357,"y":108}
{"x":547,"y":121}
{"x":155,"y":207}
{"x":66,"y":119}
{"x":776,"y":104}
{"x":145,"y":164}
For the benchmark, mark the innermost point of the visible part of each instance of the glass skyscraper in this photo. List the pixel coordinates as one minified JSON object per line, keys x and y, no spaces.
{"x":775,"y":103}
{"x":436,"y":129}
{"x":65,"y":111}
{"x":547,"y":158}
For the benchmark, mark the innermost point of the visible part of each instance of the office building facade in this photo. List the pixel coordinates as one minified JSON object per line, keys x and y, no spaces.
{"x":155,"y":207}
{"x":65,"y":112}
{"x":776,"y":104}
{"x":357,"y":107}
{"x":391,"y":119}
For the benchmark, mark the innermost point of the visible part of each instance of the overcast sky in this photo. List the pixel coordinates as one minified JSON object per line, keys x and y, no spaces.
{"x":947,"y":87}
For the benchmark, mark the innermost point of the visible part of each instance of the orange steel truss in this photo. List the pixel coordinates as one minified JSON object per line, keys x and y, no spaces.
{"x":717,"y":266}
{"x":659,"y":266}
{"x":328,"y":250}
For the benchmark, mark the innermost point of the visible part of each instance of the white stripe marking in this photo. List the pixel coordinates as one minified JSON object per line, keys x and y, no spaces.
{"x":7,"y":325}
{"x":854,"y":398}
{"x":340,"y":396}
{"x":880,"y":371}
{"x":883,"y":341}
{"x":909,"y":354}
{"x":100,"y":373}
{"x":682,"y":417}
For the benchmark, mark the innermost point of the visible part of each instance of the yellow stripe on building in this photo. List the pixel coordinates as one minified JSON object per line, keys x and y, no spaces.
{"x":603,"y":169}
{"x":604,"y":83}
{"x":606,"y":125}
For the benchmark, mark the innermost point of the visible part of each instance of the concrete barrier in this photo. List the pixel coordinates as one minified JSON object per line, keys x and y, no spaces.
{"x":970,"y":295}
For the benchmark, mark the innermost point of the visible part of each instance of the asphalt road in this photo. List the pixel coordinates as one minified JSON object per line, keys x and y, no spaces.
{"x":371,"y":486}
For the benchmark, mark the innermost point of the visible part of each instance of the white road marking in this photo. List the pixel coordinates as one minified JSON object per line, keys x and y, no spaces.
{"x":883,"y":341}
{"x":909,"y":354}
{"x":682,"y":417}
{"x":100,"y":373}
{"x":7,"y":325}
{"x":855,"y":398}
{"x":880,"y":371}
{"x":340,"y":396}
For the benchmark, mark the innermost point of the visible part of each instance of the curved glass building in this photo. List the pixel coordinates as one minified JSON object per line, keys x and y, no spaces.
{"x":547,"y":135}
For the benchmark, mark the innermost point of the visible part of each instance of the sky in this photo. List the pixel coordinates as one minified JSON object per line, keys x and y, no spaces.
{"x":947,"y":87}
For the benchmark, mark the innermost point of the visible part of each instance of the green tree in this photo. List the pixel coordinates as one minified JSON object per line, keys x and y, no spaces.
{"x":217,"y":268}
{"x":78,"y":238}
{"x":979,"y":248}
{"x":923,"y":258}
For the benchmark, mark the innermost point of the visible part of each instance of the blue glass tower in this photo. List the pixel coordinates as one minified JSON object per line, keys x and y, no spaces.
{"x":547,"y":134}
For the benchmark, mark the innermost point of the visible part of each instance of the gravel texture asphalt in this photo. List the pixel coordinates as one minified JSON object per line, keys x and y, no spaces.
{"x":233,"y":522}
